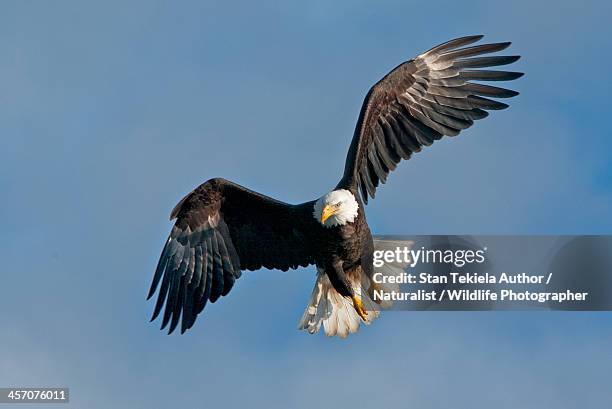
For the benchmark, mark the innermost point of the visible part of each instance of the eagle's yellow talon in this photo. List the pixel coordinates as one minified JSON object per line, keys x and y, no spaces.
{"x":358,"y":305}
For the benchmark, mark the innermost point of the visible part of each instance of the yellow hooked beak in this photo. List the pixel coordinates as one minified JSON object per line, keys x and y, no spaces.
{"x":328,"y":211}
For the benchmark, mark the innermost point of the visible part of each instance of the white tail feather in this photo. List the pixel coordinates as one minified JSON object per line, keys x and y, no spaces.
{"x":335,"y":312}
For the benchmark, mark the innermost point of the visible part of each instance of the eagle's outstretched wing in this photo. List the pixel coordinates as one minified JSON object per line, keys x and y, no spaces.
{"x":221,"y":229}
{"x":418,"y":102}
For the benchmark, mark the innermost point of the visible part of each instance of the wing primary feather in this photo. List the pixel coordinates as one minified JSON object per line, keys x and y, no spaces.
{"x":206,"y":285}
{"x":161,"y":266}
{"x":379,"y":167}
{"x":163,"y":291}
{"x":485,"y":103}
{"x":178,"y":307}
{"x":228,"y":272}
{"x":400,"y":121}
{"x":451,"y":92}
{"x":363,"y":188}
{"x":454,"y":43}
{"x":447,"y":82}
{"x":235,"y":260}
{"x":206,"y":259}
{"x":490,"y":75}
{"x":188,"y":310}
{"x":389,"y":145}
{"x":423,"y":77}
{"x":177,"y":276}
{"x":209,"y":273}
{"x":373,"y":175}
{"x":475,"y":50}
{"x":197,"y":270}
{"x":468,"y":115}
{"x":183,"y":305}
{"x":416,"y":112}
{"x":406,"y":135}
{"x":489,"y":91}
{"x":482,"y":62}
{"x":160,"y":298}
{"x":365,"y":176}
{"x":218,"y":281}
{"x":466,"y":112}
{"x":376,"y":165}
{"x":382,"y":150}
{"x":416,"y":134}
{"x":443,"y":119}
{"x":394,"y":139}
{"x":190,"y":265}
{"x":459,"y":103}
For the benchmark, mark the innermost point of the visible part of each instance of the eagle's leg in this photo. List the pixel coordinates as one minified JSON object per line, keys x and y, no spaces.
{"x":341,"y":283}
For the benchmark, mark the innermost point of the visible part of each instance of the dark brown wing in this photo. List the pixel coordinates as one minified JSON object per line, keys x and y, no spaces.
{"x":418,"y":102}
{"x":221,"y":229}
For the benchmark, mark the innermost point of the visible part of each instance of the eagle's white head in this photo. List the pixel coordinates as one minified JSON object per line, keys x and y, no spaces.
{"x":336,"y":208}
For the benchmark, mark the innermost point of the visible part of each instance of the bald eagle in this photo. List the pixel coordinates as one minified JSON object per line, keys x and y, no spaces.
{"x":223,"y":228}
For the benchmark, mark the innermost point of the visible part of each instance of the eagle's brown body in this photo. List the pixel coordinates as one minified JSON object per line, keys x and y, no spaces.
{"x":345,"y":249}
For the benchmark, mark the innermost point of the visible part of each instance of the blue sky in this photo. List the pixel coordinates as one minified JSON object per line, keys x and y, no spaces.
{"x":112,"y":111}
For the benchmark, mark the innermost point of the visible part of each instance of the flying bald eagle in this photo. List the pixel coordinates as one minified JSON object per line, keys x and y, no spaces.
{"x":222,"y":228}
